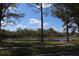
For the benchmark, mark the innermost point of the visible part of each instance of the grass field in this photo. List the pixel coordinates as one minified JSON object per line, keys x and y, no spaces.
{"x":22,"y":47}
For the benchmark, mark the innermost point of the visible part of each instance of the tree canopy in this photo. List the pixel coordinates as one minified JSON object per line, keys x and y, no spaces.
{"x":70,"y":10}
{"x":6,"y":14}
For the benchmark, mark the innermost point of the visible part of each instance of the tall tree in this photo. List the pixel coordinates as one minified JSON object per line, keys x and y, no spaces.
{"x":68,"y":13}
{"x":40,"y":7}
{"x":42,"y":39}
{"x":6,"y":14}
{"x":73,"y":13}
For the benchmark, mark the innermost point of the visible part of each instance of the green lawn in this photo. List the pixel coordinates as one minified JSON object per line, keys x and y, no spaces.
{"x":32,"y":48}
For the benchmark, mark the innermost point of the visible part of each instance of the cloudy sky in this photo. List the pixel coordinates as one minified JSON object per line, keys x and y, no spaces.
{"x":31,"y":20}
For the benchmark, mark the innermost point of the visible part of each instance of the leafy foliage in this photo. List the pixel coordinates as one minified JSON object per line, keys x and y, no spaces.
{"x":20,"y":33}
{"x":6,"y":14}
{"x":64,"y":10}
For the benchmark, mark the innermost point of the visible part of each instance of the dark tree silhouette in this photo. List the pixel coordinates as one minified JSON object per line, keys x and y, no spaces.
{"x":42,"y":39}
{"x":43,"y":12}
{"x":68,"y":13}
{"x":5,"y":13}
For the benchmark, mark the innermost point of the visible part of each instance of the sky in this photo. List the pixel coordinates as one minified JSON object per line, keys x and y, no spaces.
{"x":31,"y":19}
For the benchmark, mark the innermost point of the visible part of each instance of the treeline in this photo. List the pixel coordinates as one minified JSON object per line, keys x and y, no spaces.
{"x":29,"y":32}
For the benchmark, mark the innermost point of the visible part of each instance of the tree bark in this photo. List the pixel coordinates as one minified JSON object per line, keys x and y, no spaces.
{"x":42,"y":36}
{"x":78,"y":30}
{"x":0,"y":30}
{"x":67,"y":32}
{"x":0,"y":24}
{"x":67,"y":26}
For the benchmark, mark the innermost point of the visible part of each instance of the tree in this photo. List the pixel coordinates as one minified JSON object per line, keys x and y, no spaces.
{"x":51,"y":32}
{"x":41,"y":11}
{"x":73,"y":13}
{"x":42,"y":39}
{"x":6,"y":14}
{"x":41,"y":6}
{"x":68,"y":13}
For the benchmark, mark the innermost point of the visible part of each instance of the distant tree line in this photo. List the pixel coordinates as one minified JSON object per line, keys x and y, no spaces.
{"x":20,"y":33}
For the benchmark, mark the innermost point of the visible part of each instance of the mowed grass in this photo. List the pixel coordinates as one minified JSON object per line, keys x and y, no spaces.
{"x":30,"y":43}
{"x":24,"y":42}
{"x":33,"y":48}
{"x":4,"y":52}
{"x":38,"y":48}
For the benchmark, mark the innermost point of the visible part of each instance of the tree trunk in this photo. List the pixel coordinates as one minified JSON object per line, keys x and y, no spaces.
{"x":0,"y":24}
{"x":78,"y":30}
{"x":42,"y":38}
{"x":77,"y":27}
{"x":67,"y":26}
{"x":67,"y":33}
{"x":0,"y":30}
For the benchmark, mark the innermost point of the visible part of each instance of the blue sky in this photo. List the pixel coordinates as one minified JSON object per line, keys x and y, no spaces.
{"x":31,"y":20}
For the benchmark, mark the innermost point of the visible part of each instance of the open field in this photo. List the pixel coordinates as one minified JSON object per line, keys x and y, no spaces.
{"x":17,"y":47}
{"x":38,"y":48}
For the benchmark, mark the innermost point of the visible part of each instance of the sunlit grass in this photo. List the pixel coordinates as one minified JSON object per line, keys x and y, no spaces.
{"x":39,"y":48}
{"x":4,"y":52}
{"x":31,"y":43}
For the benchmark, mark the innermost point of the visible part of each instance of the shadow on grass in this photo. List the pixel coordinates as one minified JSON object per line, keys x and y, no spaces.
{"x":38,"y":49}
{"x":22,"y":52}
{"x":15,"y":49}
{"x":56,"y":51}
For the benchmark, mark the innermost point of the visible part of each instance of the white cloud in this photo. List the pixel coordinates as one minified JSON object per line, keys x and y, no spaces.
{"x":34,"y":21}
{"x":44,"y":5}
{"x":3,"y":23}
{"x":9,"y":8}
{"x":70,"y":30}
{"x":45,"y":25}
{"x":38,"y":22}
{"x":57,"y":29}
{"x":11,"y":24}
{"x":20,"y":26}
